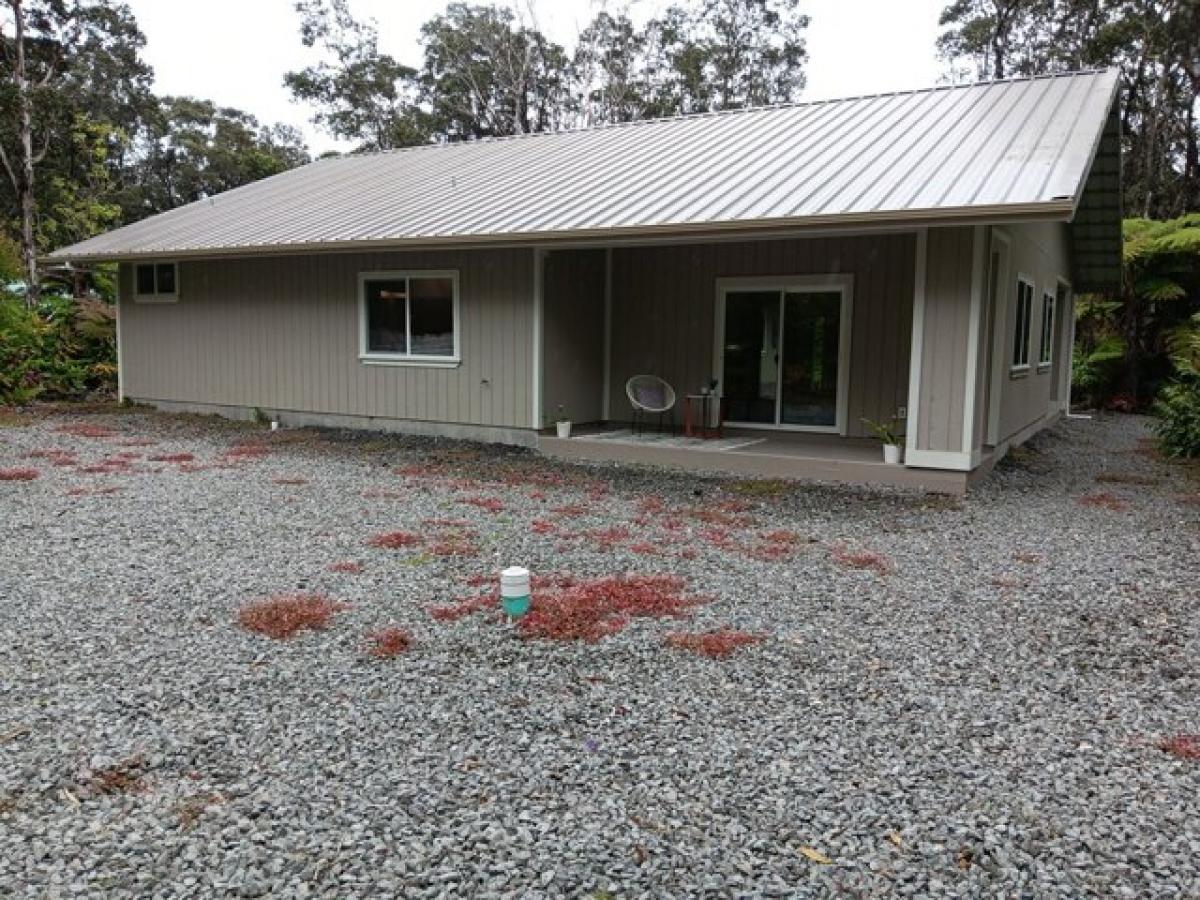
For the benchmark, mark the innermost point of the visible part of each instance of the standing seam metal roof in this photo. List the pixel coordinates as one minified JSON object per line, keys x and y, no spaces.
{"x":1008,"y":148}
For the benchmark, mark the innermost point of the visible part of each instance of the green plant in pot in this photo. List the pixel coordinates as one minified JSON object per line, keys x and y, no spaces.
{"x":889,"y":435}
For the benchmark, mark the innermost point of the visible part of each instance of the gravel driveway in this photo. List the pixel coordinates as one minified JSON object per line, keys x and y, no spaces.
{"x":937,"y":698}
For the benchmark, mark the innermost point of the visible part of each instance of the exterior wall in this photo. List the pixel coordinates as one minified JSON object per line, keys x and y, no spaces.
{"x":573,"y":334}
{"x":1040,"y":252}
{"x":664,"y":302}
{"x":283,"y":334}
{"x":945,"y":325}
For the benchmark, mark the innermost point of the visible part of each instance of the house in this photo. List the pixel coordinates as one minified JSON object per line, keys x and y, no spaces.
{"x":911,"y":255}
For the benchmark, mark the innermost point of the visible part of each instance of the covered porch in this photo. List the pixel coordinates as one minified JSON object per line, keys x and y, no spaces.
{"x":755,"y":454}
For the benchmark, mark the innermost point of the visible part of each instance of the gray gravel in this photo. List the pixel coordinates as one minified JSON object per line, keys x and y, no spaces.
{"x":984,"y":721}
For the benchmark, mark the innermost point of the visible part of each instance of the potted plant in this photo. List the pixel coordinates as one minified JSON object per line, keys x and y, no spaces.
{"x":562,"y":422}
{"x":893,"y":441}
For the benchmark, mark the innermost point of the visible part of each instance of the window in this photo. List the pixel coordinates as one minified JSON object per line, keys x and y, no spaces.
{"x":409,"y":317}
{"x":156,"y":281}
{"x":1046,"y":353}
{"x":1020,"y":357}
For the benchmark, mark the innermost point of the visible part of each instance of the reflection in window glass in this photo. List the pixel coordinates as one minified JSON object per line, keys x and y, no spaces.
{"x":387,"y":316}
{"x":145,"y":279}
{"x":431,"y":316}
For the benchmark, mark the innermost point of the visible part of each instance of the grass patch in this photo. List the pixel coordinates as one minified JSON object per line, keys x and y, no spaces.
{"x":285,"y":615}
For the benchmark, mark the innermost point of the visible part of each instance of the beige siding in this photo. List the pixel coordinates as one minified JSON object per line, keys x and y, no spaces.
{"x":946,"y":324}
{"x":283,"y":334}
{"x":573,"y":334}
{"x":664,"y":304}
{"x":1039,"y":252}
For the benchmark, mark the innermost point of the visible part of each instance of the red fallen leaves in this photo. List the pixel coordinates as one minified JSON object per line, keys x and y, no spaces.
{"x":284,"y":615}
{"x":592,"y":609}
{"x":713,"y":644}
{"x":93,"y":492}
{"x":347,"y":567}
{"x":247,"y":450}
{"x":861,"y":559}
{"x":19,"y":474}
{"x":395,"y":540}
{"x":468,"y":606}
{"x":1184,"y":746}
{"x":84,"y":429}
{"x":55,"y":456}
{"x":491,"y":504}
{"x":1104,"y":500}
{"x":289,"y":480}
{"x":173,"y":457}
{"x":388,"y":642}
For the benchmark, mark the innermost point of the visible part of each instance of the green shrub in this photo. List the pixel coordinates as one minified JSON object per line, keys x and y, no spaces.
{"x":1178,"y":417}
{"x":61,"y":348}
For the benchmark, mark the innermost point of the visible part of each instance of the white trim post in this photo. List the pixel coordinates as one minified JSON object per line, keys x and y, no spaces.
{"x":918,"y":342}
{"x":120,"y":361}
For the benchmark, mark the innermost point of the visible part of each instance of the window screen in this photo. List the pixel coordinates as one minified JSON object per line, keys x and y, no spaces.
{"x":1046,"y":352}
{"x":1021,"y":334}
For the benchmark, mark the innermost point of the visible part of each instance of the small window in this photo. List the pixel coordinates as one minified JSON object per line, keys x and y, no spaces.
{"x":156,"y":281}
{"x":1046,"y":352}
{"x":410,"y":317}
{"x":1020,"y":357}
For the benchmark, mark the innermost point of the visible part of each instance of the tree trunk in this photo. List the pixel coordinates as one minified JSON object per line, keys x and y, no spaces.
{"x":21,"y":171}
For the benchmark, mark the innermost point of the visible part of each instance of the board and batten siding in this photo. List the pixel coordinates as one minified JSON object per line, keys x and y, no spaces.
{"x":945,"y":328}
{"x":664,"y":310}
{"x":282,"y":334}
{"x":573,"y":334}
{"x":1040,"y":252}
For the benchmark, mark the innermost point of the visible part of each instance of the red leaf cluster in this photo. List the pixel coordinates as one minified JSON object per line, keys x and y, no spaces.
{"x":395,"y":540}
{"x":283,"y":479}
{"x":491,"y":504}
{"x":84,"y":429}
{"x":592,"y":609}
{"x":460,"y":609}
{"x":284,"y":615}
{"x":19,"y":474}
{"x":56,"y":457}
{"x":1185,"y":746}
{"x":347,"y":567}
{"x":1104,"y":500}
{"x":714,"y":644}
{"x":388,"y":642}
{"x":861,"y":559}
{"x":173,"y":457}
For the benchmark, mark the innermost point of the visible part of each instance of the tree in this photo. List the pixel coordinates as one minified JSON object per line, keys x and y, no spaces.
{"x":66,"y":65}
{"x":361,"y":94}
{"x":610,"y":71}
{"x":1156,"y":45}
{"x":486,"y":74}
{"x":191,"y":149}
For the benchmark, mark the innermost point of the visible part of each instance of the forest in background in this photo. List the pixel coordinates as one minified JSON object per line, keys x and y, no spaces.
{"x":86,"y":145}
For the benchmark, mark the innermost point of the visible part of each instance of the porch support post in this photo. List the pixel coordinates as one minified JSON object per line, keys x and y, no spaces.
{"x":606,"y":390}
{"x":120,"y":363}
{"x":917,"y":346}
{"x":953,"y":311}
{"x":539,"y":264}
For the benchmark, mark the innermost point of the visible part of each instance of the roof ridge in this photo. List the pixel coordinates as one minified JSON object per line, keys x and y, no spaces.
{"x":715,"y":113}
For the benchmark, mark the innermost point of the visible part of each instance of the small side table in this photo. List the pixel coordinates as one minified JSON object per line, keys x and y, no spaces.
{"x":698,"y":410}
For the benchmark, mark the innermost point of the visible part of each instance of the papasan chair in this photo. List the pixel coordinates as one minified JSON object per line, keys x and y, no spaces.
{"x":650,"y":395}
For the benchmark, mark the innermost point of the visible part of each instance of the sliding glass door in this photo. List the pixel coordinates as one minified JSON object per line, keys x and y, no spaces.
{"x":782,"y":354}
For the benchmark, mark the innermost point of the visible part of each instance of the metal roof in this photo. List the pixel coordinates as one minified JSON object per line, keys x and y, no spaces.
{"x":1003,"y":149}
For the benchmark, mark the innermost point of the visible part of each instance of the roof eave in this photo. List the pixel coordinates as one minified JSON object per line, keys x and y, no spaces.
{"x":1060,"y":209}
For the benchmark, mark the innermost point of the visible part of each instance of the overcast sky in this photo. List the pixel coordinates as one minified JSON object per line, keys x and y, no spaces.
{"x":854,"y":47}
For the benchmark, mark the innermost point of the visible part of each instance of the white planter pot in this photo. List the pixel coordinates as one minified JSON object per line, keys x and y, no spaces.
{"x":564,"y":429}
{"x":891,"y":454}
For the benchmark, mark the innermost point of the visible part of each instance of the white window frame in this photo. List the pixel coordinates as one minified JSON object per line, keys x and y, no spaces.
{"x":1020,"y":366}
{"x":1046,"y":346}
{"x":375,"y":358}
{"x":158,"y":296}
{"x":796,"y":284}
